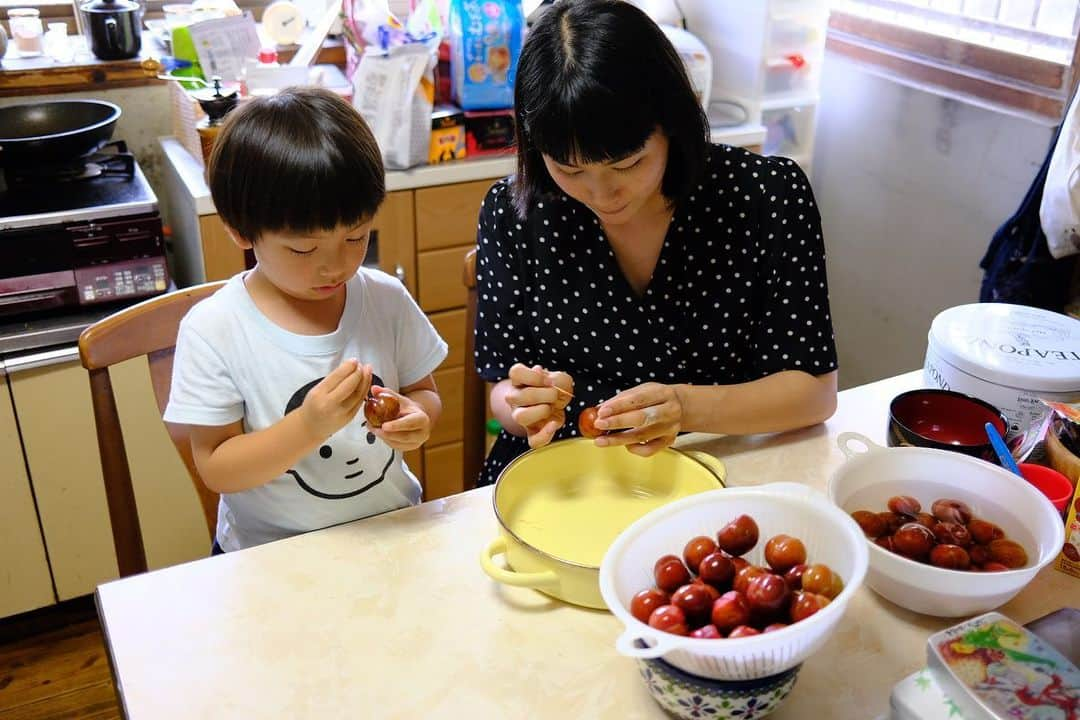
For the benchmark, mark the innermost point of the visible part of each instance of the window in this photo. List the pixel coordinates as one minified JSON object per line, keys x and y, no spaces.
{"x":1015,"y":55}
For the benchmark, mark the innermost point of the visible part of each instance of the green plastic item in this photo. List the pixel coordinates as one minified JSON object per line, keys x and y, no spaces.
{"x":494,"y":427}
{"x":183,"y":48}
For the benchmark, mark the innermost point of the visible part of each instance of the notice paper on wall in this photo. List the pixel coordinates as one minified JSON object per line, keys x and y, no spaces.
{"x":223,"y":44}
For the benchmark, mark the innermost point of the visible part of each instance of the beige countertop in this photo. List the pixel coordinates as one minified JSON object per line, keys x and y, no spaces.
{"x":191,"y":172}
{"x":392,"y":617}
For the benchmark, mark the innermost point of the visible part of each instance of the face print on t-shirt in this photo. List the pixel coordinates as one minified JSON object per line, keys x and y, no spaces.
{"x":343,"y":465}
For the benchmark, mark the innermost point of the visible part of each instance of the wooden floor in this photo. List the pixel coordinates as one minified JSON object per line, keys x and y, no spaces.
{"x":53,"y":665}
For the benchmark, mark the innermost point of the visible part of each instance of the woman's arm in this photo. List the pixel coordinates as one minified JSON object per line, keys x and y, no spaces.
{"x":651,"y":415}
{"x":787,"y":400}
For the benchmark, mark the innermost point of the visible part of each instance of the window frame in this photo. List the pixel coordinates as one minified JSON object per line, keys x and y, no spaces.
{"x":1031,"y":87}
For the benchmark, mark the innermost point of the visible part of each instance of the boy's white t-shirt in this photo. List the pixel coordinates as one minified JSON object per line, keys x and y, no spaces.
{"x":232,"y":363}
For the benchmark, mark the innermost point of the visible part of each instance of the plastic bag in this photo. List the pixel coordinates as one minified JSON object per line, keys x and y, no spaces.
{"x":485,"y":42}
{"x":395,"y":91}
{"x":361,"y":20}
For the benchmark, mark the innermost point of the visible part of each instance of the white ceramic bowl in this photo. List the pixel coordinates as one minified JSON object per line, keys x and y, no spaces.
{"x":830,"y":537}
{"x":870,"y":477}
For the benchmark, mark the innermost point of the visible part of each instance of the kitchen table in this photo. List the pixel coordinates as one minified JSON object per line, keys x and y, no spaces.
{"x":392,"y":617}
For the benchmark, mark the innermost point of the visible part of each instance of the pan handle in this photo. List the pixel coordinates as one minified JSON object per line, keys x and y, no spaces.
{"x":547,"y":578}
{"x":714,"y":464}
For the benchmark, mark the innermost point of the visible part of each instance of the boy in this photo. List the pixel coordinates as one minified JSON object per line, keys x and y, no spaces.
{"x":271,"y":372}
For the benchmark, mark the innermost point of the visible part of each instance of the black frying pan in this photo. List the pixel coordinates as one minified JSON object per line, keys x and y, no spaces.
{"x":54,"y":131}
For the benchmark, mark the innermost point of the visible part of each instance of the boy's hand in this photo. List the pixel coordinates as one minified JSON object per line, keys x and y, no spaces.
{"x":410,"y":429}
{"x":330,"y":405}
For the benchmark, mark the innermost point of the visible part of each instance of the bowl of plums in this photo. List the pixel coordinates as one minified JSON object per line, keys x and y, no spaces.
{"x":735,"y":584}
{"x":949,"y":535}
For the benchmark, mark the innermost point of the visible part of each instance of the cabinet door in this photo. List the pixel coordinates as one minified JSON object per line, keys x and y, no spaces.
{"x":53,"y":407}
{"x":222,"y":258}
{"x":451,"y":326}
{"x":451,"y":385}
{"x":447,"y":215}
{"x":24,"y":570}
{"x":440,"y":284}
{"x":392,"y":241}
{"x":444,"y":470}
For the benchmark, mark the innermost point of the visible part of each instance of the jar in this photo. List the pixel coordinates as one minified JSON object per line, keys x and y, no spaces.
{"x":26,"y":30}
{"x":1008,"y":355}
{"x":57,"y":44}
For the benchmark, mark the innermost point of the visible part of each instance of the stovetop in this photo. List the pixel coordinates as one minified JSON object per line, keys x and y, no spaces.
{"x":37,"y":202}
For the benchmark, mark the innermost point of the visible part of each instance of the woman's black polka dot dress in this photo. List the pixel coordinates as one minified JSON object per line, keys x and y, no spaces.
{"x":738,"y":293}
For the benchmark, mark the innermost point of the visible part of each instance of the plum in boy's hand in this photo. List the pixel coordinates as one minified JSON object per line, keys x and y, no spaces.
{"x":381,"y":409}
{"x":408,"y":429}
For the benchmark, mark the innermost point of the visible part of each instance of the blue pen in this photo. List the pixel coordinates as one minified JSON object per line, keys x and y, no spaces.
{"x":1002,"y":451}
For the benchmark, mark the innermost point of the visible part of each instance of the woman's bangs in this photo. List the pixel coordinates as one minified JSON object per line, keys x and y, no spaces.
{"x":577,"y":128}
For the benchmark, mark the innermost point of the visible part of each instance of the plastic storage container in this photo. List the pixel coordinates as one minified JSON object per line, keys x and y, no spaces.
{"x":789,"y":131}
{"x":1007,"y":355}
{"x":787,"y":74}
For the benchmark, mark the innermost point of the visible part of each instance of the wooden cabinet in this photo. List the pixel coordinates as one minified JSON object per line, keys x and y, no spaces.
{"x":56,"y":423}
{"x":24,"y":570}
{"x":391,"y":233}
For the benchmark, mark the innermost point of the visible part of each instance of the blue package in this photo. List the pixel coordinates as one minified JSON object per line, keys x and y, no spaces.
{"x":485,"y":43}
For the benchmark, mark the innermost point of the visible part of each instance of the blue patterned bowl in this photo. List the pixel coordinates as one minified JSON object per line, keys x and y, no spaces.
{"x":691,"y":697}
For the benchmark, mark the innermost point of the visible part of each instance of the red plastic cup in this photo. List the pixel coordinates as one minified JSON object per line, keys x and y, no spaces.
{"x":1049,"y":482}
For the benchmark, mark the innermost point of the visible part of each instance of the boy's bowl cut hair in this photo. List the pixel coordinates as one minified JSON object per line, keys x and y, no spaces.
{"x":302,"y":160}
{"x":595,"y":79}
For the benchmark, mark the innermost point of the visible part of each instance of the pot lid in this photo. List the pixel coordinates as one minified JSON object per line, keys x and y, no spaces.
{"x":1014,"y":345}
{"x":109,"y":6}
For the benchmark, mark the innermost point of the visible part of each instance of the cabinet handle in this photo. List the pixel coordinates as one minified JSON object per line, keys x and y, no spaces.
{"x":41,"y":359}
{"x":399,"y":272}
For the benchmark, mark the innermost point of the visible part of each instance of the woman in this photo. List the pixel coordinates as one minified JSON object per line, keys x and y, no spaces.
{"x":630,"y":264}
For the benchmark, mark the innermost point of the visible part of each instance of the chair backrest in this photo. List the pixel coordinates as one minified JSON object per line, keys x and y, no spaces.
{"x":475,"y":390}
{"x":148,"y":328}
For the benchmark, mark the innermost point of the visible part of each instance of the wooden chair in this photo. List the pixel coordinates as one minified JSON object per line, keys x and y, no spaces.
{"x":475,"y":410}
{"x":148,"y":328}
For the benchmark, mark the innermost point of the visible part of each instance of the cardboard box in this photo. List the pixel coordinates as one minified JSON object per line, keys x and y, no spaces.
{"x":447,"y":134}
{"x":489,"y":132}
{"x":1068,"y":561}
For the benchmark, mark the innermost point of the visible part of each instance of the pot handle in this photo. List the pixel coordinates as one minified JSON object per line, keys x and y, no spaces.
{"x":844,"y":440}
{"x":714,"y":464}
{"x":112,"y":32}
{"x":656,"y":644}
{"x":497,"y":546}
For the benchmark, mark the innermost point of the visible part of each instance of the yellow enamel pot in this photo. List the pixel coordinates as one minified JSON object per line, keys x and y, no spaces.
{"x":561,"y":506}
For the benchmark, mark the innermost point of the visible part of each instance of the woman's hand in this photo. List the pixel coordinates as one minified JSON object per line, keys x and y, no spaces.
{"x":335,"y":400}
{"x":649,"y":417}
{"x":538,"y":401}
{"x":410,"y":429}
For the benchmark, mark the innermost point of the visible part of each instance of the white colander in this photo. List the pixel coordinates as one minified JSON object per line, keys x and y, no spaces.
{"x":830,"y":536}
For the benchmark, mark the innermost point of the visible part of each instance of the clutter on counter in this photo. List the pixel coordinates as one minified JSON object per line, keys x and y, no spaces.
{"x":1008,"y":355}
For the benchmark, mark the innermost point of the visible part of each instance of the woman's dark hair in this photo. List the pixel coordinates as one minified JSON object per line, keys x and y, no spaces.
{"x":595,"y":79}
{"x":301,"y":160}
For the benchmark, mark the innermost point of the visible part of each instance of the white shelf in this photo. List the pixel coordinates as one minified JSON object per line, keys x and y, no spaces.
{"x":789,"y":100}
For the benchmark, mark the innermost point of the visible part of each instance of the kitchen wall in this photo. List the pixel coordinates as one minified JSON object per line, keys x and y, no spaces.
{"x":146,"y":115}
{"x":911,"y":187}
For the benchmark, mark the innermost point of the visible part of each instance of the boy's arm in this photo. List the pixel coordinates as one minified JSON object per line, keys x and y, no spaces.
{"x":230,"y":460}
